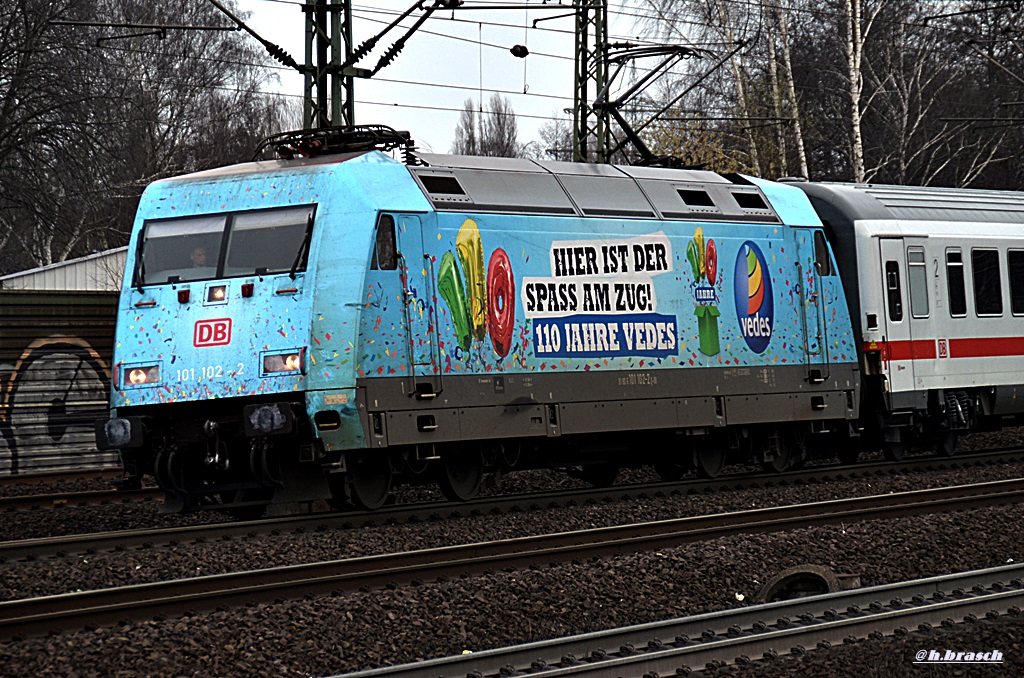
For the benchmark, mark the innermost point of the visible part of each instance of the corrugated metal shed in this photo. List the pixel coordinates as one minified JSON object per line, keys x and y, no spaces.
{"x":55,"y":354}
{"x":100,"y":272}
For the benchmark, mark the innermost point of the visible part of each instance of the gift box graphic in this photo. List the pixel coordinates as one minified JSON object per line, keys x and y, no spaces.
{"x":707,"y":328}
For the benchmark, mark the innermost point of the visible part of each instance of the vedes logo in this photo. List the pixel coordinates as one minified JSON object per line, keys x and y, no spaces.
{"x":214,"y":332}
{"x":755,"y":305}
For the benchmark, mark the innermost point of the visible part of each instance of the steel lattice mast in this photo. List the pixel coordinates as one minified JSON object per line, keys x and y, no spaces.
{"x":590,"y":139}
{"x":329,"y":92}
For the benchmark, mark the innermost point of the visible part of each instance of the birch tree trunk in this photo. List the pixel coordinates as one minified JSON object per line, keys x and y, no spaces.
{"x":741,"y":85}
{"x":857,"y":30}
{"x":790,"y":83}
{"x":854,"y":59}
{"x":780,"y":130}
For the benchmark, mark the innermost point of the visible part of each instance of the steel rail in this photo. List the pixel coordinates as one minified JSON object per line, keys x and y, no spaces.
{"x":725,"y":637}
{"x":57,"y":476}
{"x":88,"y":498}
{"x":43,"y":614}
{"x":49,"y":547}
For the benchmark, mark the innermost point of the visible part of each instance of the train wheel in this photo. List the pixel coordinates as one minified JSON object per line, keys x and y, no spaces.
{"x":167,"y":470}
{"x":894,"y":450}
{"x":369,"y":482}
{"x":782,"y":460}
{"x":709,"y":460}
{"x":600,"y":475}
{"x":945,"y":444}
{"x":462,"y":474}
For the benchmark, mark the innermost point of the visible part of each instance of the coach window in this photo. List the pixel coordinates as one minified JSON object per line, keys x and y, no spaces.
{"x":1015,"y":269}
{"x":988,"y":292}
{"x":955,"y":283}
{"x":821,"y":259}
{"x":917,"y":279}
{"x":894,"y":294}
{"x":385,"y":254}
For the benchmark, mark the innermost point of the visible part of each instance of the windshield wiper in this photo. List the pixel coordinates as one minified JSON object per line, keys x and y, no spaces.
{"x":140,"y":268}
{"x":302,"y":247}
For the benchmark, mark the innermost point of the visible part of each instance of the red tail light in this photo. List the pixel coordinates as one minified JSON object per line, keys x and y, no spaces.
{"x":183,"y":296}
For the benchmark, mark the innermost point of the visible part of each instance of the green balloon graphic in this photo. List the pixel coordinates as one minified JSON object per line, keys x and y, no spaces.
{"x":453,"y":291}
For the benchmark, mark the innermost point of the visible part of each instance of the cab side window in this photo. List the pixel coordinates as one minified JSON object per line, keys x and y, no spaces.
{"x":385,"y":253}
{"x":822,"y":260}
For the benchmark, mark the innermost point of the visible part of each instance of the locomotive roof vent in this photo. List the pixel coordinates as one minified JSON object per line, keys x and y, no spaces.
{"x":695,"y":198}
{"x":444,"y":187}
{"x":749,"y":201}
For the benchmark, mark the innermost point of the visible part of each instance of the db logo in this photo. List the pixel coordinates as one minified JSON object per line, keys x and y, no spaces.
{"x":215,"y":332}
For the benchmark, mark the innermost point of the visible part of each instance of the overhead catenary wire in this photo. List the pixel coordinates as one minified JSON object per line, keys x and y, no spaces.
{"x":448,"y":86}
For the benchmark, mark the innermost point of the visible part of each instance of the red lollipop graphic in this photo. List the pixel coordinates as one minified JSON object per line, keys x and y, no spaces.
{"x":501,"y":302}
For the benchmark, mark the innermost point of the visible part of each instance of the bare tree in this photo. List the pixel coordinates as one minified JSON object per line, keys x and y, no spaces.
{"x":84,"y":125}
{"x":556,"y":139}
{"x":498,"y":131}
{"x":466,"y":131}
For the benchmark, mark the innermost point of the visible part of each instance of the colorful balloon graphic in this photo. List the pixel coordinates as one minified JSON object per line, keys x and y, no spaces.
{"x":711,"y":261}
{"x":471,"y":253}
{"x":698,"y":241}
{"x":501,"y":314}
{"x":449,"y":284}
{"x":479,"y":304}
{"x":703,"y":258}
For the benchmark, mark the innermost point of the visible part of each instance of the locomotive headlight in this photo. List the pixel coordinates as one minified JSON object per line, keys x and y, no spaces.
{"x":142,"y":376}
{"x":293,"y":361}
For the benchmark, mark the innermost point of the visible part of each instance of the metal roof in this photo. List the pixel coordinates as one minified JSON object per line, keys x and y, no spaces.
{"x":521,"y":186}
{"x":915,"y":203}
{"x":100,"y":272}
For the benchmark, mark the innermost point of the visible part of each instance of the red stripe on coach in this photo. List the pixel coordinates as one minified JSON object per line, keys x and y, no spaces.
{"x":987,"y":347}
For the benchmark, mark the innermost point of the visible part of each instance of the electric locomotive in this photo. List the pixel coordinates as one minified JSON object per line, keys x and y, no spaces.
{"x":321,"y":327}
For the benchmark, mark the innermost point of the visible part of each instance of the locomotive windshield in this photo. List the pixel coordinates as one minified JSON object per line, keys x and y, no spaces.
{"x":224,"y":245}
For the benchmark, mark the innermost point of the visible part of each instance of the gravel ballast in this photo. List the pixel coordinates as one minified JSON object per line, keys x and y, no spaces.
{"x":327,"y":635}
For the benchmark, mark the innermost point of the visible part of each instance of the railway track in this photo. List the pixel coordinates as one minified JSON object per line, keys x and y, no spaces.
{"x":69,"y":499}
{"x":678,"y":646}
{"x":50,"y":547}
{"x":59,"y":476}
{"x":93,"y":608}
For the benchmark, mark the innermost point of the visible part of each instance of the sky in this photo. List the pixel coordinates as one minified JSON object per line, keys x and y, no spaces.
{"x":456,"y":54}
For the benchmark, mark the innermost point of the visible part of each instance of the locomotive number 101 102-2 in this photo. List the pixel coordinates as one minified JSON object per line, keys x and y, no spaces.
{"x":206,"y":372}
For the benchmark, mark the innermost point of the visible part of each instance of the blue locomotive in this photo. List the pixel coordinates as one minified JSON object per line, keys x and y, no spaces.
{"x":321,"y":327}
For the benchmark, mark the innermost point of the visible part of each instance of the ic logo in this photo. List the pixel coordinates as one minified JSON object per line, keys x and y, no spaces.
{"x":214,"y":332}
{"x":755,"y":303}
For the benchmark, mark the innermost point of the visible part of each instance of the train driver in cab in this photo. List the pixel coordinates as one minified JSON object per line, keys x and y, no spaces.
{"x":198,"y":257}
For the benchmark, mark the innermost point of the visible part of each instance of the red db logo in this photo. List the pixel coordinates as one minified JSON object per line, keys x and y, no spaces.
{"x":215,"y":332}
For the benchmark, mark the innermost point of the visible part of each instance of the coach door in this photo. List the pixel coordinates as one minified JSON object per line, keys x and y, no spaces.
{"x":814,"y":262}
{"x":418,"y":288}
{"x":897,"y":357}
